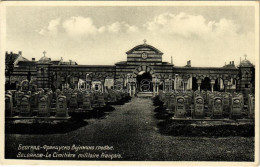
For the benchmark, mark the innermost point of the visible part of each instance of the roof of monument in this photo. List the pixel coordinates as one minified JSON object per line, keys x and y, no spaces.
{"x":246,"y":63}
{"x":121,"y":62}
{"x":26,"y":63}
{"x":44,"y":59}
{"x":144,"y":47}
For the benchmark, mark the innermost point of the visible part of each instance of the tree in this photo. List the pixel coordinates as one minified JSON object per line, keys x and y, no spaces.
{"x":9,"y":67}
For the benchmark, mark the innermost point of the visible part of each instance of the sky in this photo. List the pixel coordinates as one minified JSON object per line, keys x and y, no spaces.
{"x":209,"y":36}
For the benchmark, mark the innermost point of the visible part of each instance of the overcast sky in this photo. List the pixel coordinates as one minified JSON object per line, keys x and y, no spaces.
{"x":208,"y":36}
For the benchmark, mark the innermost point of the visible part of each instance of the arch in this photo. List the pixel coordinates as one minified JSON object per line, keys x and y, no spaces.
{"x":144,"y":82}
{"x":145,"y":68}
{"x":194,"y":84}
{"x":205,"y":84}
{"x":151,"y":48}
{"x":218,"y":85}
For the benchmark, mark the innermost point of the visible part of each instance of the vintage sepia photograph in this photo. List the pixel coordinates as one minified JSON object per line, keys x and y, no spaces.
{"x":131,"y":82}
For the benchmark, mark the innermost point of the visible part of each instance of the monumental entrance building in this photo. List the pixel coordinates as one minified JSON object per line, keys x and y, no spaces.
{"x":144,"y":70}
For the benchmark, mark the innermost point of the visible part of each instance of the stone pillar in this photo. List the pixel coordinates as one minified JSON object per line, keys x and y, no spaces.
{"x":212,"y":82}
{"x":129,"y":89}
{"x":154,"y":89}
{"x":199,"y":83}
{"x":102,"y":86}
{"x":225,"y":85}
{"x":185,"y":84}
{"x":134,"y":89}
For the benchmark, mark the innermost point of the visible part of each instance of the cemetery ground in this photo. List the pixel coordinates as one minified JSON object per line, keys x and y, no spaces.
{"x":133,"y":131}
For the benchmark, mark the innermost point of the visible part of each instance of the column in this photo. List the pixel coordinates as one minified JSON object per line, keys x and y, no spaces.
{"x":185,"y":84}
{"x":102,"y":87}
{"x":154,"y":89}
{"x":212,"y":82}
{"x":199,"y":83}
{"x":134,"y":89}
{"x":225,"y":85}
{"x":129,"y":89}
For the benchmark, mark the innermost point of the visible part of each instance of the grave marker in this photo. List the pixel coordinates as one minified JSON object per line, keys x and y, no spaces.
{"x":180,"y":107}
{"x":217,"y":111}
{"x":25,"y":106}
{"x":198,"y":108}
{"x":61,"y":107}
{"x":43,"y":107}
{"x":236,"y":107}
{"x":8,"y":106}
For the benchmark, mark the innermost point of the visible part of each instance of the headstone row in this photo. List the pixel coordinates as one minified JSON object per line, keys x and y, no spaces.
{"x":199,"y":105}
{"x":44,"y":101}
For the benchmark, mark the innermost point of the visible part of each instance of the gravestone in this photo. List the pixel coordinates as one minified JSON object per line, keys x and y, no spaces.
{"x":118,"y":96}
{"x":34,"y":100}
{"x":33,"y":88}
{"x":8,"y":106}
{"x":188,"y":104}
{"x":87,"y":103}
{"x":236,"y":107}
{"x":171,"y":104}
{"x":73,"y":103}
{"x":43,"y":107}
{"x":167,"y":99}
{"x":204,"y":95}
{"x":25,"y":106}
{"x":25,"y":85}
{"x":19,"y":99}
{"x":106,"y":96}
{"x":210,"y":102}
{"x":217,"y":111}
{"x":112,"y":97}
{"x":101,"y":100}
{"x":251,"y":106}
{"x":226,"y":103}
{"x":94,"y":100}
{"x":80,"y":96}
{"x":61,"y":107}
{"x":180,"y":111}
{"x":198,"y":108}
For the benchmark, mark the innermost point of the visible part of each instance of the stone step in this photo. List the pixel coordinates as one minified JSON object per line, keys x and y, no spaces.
{"x":145,"y":94}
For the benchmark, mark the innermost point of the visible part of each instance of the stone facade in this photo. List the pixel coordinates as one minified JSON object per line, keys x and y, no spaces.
{"x":144,"y":62}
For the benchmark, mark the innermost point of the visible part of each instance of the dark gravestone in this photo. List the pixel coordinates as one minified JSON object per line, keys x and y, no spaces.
{"x":217,"y":111}
{"x":18,"y":99}
{"x":34,"y":100}
{"x":25,"y":85}
{"x":8,"y":106}
{"x":180,"y":107}
{"x":25,"y":107}
{"x":226,"y":103}
{"x":236,"y":107}
{"x":112,"y":97}
{"x":251,"y":106}
{"x":210,"y":102}
{"x":61,"y":107}
{"x":167,"y":99}
{"x":73,"y":103}
{"x":87,"y":103}
{"x":44,"y":107}
{"x":188,"y":104}
{"x":101,"y":100}
{"x":80,"y":96}
{"x":198,"y":108}
{"x":171,"y":104}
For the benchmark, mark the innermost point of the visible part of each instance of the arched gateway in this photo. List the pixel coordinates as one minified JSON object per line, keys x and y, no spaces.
{"x":143,"y":70}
